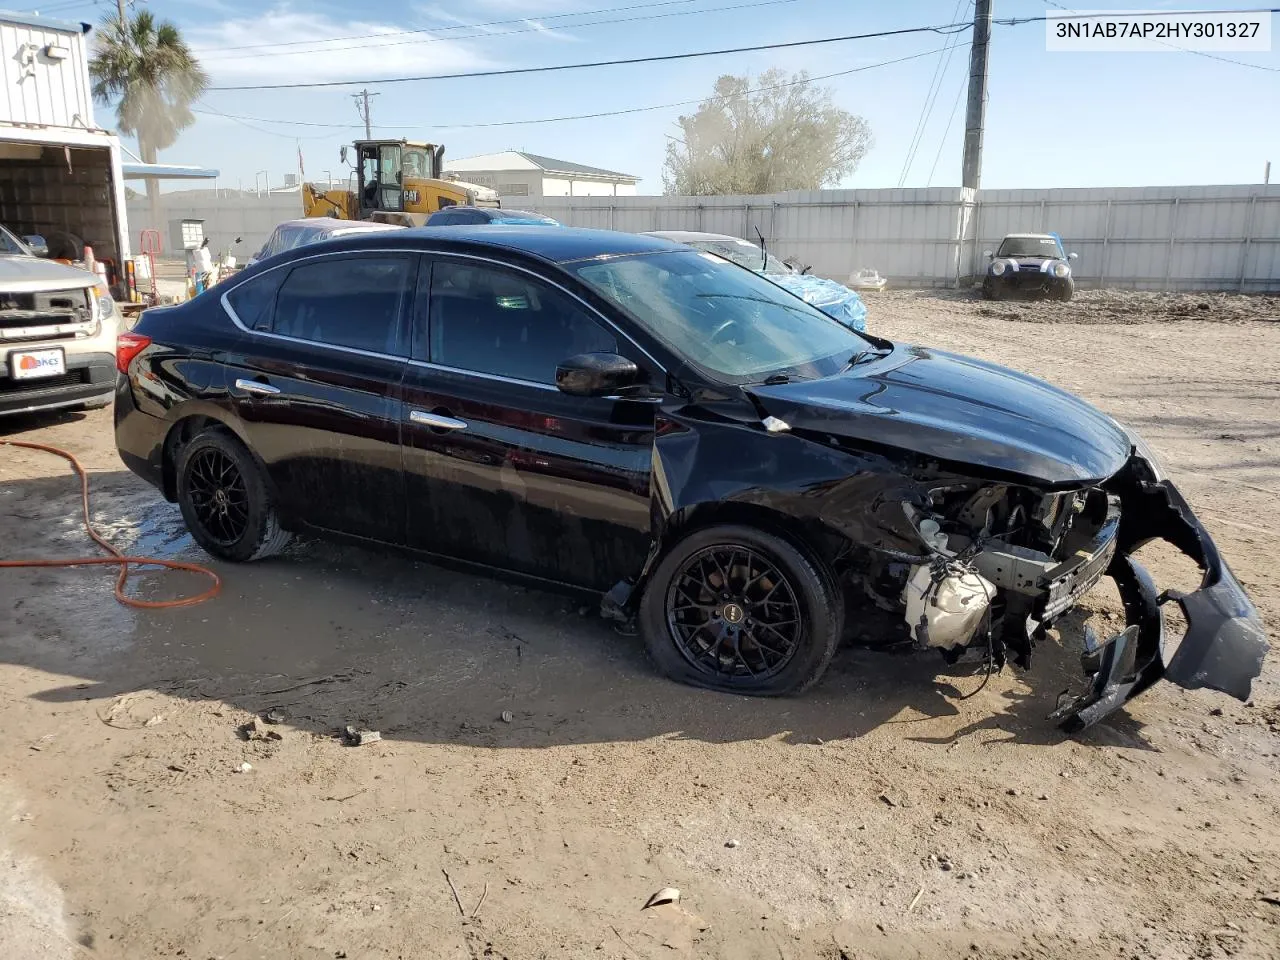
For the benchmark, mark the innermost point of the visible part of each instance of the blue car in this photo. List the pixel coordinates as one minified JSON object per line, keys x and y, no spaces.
{"x":457,"y":216}
{"x":833,"y":299}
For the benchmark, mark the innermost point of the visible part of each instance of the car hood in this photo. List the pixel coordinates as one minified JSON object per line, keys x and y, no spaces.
{"x":833,"y":299}
{"x":32,"y":275}
{"x":960,"y":410}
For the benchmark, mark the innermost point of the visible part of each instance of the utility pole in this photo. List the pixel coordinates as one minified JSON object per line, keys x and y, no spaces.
{"x":362,"y":108}
{"x":975,"y":114}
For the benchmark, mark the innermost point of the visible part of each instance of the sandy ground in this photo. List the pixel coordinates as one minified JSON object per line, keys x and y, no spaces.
{"x":879,"y":816}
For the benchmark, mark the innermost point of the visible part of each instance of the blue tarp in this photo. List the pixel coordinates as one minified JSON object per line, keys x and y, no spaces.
{"x":833,"y":299}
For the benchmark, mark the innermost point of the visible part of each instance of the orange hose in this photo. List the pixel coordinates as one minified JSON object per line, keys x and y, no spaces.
{"x":117,"y":558}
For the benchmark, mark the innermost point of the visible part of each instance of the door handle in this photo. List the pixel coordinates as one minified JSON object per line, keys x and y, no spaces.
{"x":436,"y":420}
{"x":255,"y":386}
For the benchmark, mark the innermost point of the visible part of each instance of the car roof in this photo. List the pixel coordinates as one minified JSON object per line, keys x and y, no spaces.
{"x":684,"y":236}
{"x":1030,"y":236}
{"x":556,"y":246}
{"x":333,"y":224}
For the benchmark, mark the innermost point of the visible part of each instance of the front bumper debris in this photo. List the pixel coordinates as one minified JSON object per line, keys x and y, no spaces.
{"x":1224,"y":644}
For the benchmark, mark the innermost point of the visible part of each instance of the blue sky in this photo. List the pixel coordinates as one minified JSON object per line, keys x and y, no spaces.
{"x":1054,"y":120}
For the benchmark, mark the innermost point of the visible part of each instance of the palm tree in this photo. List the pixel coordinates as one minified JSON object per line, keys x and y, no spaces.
{"x":150,"y":73}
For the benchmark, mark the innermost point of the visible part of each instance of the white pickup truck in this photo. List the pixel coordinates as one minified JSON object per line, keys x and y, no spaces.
{"x":58,"y":329}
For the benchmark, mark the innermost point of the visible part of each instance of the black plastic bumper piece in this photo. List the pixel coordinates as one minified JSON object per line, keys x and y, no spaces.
{"x":1225,"y":643}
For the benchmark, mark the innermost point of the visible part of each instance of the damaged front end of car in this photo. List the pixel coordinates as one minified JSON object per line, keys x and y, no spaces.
{"x":1006,"y":561}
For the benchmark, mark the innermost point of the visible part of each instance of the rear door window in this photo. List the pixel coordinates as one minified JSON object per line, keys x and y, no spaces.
{"x":353,"y":302}
{"x":252,"y":301}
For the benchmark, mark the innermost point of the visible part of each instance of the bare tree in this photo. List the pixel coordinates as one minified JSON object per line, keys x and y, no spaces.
{"x":786,"y":134}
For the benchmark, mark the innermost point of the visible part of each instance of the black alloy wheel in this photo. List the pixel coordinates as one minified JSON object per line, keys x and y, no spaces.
{"x":218,"y":496}
{"x":732,"y":613}
{"x":739,"y":609}
{"x":225,"y":500}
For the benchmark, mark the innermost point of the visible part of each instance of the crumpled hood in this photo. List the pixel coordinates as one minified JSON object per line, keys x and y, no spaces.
{"x":833,"y":299}
{"x":958,"y":409}
{"x":33,"y":275}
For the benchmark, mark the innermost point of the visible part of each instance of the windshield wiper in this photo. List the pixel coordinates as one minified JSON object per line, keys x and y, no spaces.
{"x":864,"y":355}
{"x":775,"y":379}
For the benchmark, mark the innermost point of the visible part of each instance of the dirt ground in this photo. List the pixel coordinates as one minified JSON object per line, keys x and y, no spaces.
{"x":880,"y":816}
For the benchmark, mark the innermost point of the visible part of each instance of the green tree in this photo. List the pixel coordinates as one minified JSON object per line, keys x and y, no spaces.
{"x":786,"y":134}
{"x":147,"y":70}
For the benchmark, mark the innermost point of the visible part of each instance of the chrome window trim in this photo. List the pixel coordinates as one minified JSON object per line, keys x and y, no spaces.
{"x":592,"y":311}
{"x":235,"y":317}
{"x":484,"y":376}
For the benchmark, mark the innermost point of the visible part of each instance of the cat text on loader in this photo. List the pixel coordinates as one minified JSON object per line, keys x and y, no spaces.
{"x":395,"y":181}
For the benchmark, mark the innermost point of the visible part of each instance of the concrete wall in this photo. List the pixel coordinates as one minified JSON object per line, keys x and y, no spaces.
{"x":1152,"y":238}
{"x":226,"y":216}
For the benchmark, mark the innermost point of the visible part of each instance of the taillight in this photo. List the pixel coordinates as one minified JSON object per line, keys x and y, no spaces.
{"x":128,"y":346}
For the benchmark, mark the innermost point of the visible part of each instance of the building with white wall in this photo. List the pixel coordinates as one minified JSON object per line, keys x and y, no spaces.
{"x":515,"y":174}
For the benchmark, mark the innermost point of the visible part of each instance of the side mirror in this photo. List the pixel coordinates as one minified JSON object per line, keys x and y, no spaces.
{"x":1073,"y":256}
{"x":806,"y":270}
{"x":37,"y":244}
{"x":596,"y":375}
{"x":342,"y":154}
{"x":988,"y":254}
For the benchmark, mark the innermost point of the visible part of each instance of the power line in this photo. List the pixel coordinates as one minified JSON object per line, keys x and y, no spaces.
{"x":486,"y":35}
{"x":661,"y":58}
{"x":580,"y":116}
{"x":931,"y":95}
{"x":944,"y":29}
{"x":458,"y":26}
{"x":244,"y":122}
{"x":964,"y":83}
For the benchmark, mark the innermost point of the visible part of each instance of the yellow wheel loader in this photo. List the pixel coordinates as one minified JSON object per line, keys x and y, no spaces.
{"x":394,"y":181}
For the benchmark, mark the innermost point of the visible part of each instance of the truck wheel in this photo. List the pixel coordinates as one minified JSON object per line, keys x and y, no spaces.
{"x":736,"y":609}
{"x":64,"y":246}
{"x":225,"y":501}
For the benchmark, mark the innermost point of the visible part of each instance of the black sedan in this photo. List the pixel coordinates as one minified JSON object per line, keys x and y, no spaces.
{"x":741,"y":476}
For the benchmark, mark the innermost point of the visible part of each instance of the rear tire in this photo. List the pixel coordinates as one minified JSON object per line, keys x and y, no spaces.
{"x":735,"y":609}
{"x":225,"y":501}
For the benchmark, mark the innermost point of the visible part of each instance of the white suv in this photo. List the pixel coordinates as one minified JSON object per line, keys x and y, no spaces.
{"x":58,"y":329}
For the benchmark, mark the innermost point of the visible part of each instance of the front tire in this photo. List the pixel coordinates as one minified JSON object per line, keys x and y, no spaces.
{"x":735,"y":609}
{"x":225,"y":501}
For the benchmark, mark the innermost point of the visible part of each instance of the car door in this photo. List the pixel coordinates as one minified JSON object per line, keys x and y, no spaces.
{"x":315,"y":382}
{"x":502,"y":468}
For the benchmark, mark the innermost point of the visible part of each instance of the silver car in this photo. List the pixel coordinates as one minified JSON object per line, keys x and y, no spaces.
{"x":301,"y":233}
{"x":58,"y":327}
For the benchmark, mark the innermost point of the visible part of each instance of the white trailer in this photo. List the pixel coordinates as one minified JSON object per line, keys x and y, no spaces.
{"x":60,"y":173}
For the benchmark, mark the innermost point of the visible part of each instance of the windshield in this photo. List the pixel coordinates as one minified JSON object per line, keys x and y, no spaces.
{"x":742,"y":253}
{"x":11,"y":245}
{"x":731,"y":323}
{"x":1030,"y":247}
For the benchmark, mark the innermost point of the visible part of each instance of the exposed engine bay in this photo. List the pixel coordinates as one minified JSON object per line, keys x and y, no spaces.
{"x":1003,"y":562}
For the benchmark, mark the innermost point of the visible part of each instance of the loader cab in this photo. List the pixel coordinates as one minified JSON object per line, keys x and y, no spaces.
{"x":382,"y":167}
